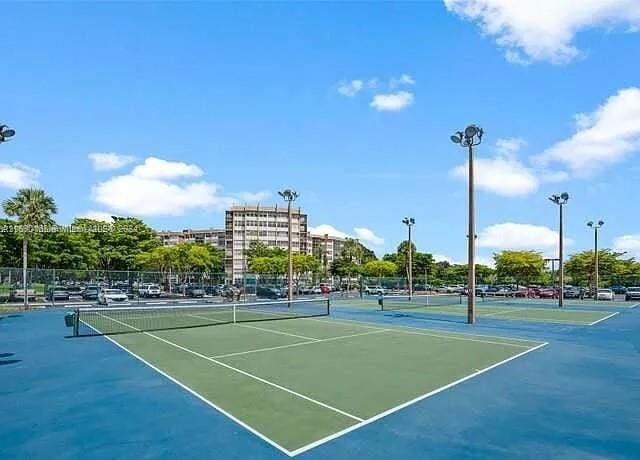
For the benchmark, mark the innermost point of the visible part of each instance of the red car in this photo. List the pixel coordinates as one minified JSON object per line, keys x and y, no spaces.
{"x":548,"y":294}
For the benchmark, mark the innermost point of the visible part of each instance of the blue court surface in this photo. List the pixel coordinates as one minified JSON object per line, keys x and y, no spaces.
{"x":573,"y":391}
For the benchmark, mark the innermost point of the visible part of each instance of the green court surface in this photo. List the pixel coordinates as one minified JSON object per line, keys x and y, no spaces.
{"x":298,"y":383}
{"x":497,"y":310}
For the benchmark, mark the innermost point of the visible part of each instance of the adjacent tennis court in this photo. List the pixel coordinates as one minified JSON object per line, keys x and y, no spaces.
{"x":291,"y":375}
{"x":447,"y":304}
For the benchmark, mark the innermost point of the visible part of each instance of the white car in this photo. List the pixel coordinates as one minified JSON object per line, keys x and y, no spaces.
{"x":375,"y":290}
{"x":605,"y":294}
{"x":108,"y":296}
{"x":149,"y":290}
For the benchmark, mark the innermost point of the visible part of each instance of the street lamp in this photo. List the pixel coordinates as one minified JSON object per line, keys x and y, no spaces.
{"x":410,"y":222}
{"x":471,"y":137}
{"x":595,"y":227}
{"x":560,"y":200}
{"x":6,"y":133}
{"x":289,"y":195}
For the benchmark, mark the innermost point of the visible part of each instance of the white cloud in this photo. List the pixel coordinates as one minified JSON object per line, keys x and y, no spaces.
{"x":351,"y":88}
{"x":152,"y":189}
{"x":544,"y":30}
{"x":442,"y":258}
{"x":487,"y":261}
{"x":501,"y":175}
{"x":250,"y":197}
{"x":157,"y":168}
{"x":404,"y":79}
{"x":510,"y":235}
{"x":109,"y":161}
{"x":17,"y":175}
{"x":509,"y":146}
{"x":326,"y":229}
{"x":628,"y":243}
{"x":392,"y":102}
{"x":368,"y":236}
{"x":97,"y":215}
{"x":604,"y":136}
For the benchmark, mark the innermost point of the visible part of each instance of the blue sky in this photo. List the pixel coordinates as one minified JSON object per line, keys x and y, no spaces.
{"x":202,"y":105}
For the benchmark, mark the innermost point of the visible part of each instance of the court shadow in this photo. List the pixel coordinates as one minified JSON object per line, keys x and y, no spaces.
{"x":6,"y":355}
{"x":14,"y":316}
{"x":9,"y":361}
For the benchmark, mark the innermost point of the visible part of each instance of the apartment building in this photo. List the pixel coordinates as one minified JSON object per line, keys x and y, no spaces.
{"x":213,"y":236}
{"x":327,"y":248}
{"x":268,"y":224}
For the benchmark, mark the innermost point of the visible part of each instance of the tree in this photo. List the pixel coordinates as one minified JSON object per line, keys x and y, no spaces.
{"x":580,"y":267}
{"x":304,"y":263}
{"x":9,"y":244}
{"x":520,"y":266}
{"x":33,"y":209}
{"x":379,"y":268}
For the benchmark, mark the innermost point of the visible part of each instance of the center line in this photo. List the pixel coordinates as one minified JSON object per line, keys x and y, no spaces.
{"x":240,"y":371}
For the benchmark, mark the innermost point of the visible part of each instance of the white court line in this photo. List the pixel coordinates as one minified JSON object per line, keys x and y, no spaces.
{"x":409,"y":403}
{"x":501,"y":312}
{"x":156,"y":303}
{"x":602,"y":319}
{"x":278,"y":332}
{"x":634,"y":305}
{"x":297,"y":344}
{"x":198,"y":395}
{"x":240,"y":371}
{"x":400,"y":328}
{"x":444,"y":335}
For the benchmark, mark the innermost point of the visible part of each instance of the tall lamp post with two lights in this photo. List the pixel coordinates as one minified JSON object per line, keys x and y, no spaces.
{"x":595,"y":226}
{"x":410,"y":222}
{"x":468,"y":139}
{"x":560,"y":200}
{"x":289,"y":196}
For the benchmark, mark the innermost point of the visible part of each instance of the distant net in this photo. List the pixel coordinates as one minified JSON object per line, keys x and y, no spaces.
{"x":403,"y":302}
{"x":122,"y":320}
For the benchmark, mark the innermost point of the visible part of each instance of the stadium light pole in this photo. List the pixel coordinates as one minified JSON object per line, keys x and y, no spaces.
{"x":595,"y":227}
{"x":468,"y":139}
{"x":6,"y":133}
{"x":560,"y":200}
{"x":410,"y":222}
{"x":289,"y":196}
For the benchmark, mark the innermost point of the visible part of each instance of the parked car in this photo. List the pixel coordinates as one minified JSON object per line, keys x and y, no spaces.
{"x":107,"y":296}
{"x":91,"y":293}
{"x":57,"y":293}
{"x":619,"y":289}
{"x":194,"y":291}
{"x":18,"y":293}
{"x":149,"y":290}
{"x":375,"y":290}
{"x":74,"y":291}
{"x":572,"y":293}
{"x":270,"y":292}
{"x":546,"y":293}
{"x":605,"y":294}
{"x":633,"y":293}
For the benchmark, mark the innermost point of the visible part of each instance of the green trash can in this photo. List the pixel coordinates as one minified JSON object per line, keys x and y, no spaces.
{"x":70,"y":319}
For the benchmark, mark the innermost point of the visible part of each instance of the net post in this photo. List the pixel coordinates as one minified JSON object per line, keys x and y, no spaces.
{"x":328,"y":305}
{"x":234,"y":314}
{"x":76,"y":322}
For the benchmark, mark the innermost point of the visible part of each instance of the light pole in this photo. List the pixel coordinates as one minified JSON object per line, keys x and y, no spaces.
{"x":595,"y":227}
{"x":6,"y":133}
{"x":560,"y":200}
{"x":410,"y":222}
{"x":289,"y":196}
{"x":471,"y":137}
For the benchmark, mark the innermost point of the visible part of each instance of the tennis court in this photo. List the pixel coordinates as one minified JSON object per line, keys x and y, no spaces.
{"x":447,"y":304}
{"x":292,"y":375}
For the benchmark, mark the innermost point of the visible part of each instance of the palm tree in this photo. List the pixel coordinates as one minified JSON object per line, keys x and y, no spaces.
{"x":33,"y":208}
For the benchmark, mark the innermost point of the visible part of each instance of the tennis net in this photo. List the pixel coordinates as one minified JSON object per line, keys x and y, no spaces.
{"x":121,"y":320}
{"x":402,"y":302}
